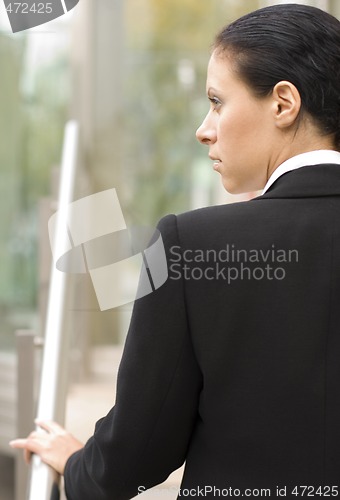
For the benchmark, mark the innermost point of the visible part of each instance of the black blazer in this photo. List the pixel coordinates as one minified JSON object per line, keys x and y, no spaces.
{"x":239,"y":374}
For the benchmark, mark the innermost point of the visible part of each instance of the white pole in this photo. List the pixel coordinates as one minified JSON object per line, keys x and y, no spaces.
{"x":51,"y":397}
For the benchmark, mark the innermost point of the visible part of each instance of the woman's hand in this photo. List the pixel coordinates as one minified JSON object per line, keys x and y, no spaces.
{"x":54,"y":446}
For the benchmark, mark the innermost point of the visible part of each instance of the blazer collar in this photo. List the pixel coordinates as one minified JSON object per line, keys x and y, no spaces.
{"x":306,"y":182}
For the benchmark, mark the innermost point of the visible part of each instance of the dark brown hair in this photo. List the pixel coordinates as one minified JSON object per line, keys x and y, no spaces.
{"x":291,"y":42}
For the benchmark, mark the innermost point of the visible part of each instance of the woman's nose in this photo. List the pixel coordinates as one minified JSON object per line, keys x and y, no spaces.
{"x":206,"y":132}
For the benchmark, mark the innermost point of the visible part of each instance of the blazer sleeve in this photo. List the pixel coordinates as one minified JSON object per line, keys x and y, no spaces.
{"x":145,"y":436}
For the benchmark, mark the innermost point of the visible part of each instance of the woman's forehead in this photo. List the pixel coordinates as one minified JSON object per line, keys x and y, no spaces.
{"x":221,"y":71}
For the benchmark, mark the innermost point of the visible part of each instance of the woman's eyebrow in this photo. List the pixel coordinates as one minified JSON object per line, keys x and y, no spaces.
{"x":211,"y":90}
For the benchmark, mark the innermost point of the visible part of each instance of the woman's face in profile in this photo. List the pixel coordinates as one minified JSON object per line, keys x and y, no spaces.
{"x":239,"y":129}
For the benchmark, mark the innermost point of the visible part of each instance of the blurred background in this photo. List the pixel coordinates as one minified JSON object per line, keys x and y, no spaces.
{"x":132,"y":73}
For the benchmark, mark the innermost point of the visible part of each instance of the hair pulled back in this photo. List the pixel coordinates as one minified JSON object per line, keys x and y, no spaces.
{"x":291,"y":42}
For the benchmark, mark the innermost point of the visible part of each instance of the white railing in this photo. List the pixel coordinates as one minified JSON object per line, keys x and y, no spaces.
{"x":52,"y":395}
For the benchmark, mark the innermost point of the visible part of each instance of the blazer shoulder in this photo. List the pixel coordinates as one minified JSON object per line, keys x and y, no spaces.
{"x":211,"y":222}
{"x":215,"y":214}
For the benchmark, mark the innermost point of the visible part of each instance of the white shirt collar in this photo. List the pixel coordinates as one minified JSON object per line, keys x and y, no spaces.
{"x":311,"y":158}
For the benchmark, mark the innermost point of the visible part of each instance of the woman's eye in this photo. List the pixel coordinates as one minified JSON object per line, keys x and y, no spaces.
{"x":215,"y":102}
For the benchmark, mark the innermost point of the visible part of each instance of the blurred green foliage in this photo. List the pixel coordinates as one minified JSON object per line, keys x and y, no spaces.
{"x":168,"y":47}
{"x":32,"y":119}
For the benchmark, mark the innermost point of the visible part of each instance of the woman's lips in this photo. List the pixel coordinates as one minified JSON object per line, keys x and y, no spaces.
{"x":216,"y":164}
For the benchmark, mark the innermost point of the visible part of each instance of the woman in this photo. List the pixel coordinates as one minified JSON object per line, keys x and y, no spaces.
{"x":233,"y":364}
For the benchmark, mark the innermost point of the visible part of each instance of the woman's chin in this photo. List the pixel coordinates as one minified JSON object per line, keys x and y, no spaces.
{"x":234,"y":187}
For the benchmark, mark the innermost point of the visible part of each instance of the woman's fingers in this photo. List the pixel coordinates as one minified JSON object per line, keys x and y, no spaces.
{"x":34,"y":443}
{"x":27,"y":456}
{"x":18,"y":443}
{"x":54,"y":446}
{"x":50,"y":426}
{"x":22,"y":444}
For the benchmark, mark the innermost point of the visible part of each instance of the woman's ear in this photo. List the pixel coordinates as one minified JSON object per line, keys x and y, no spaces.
{"x":287,"y":104}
